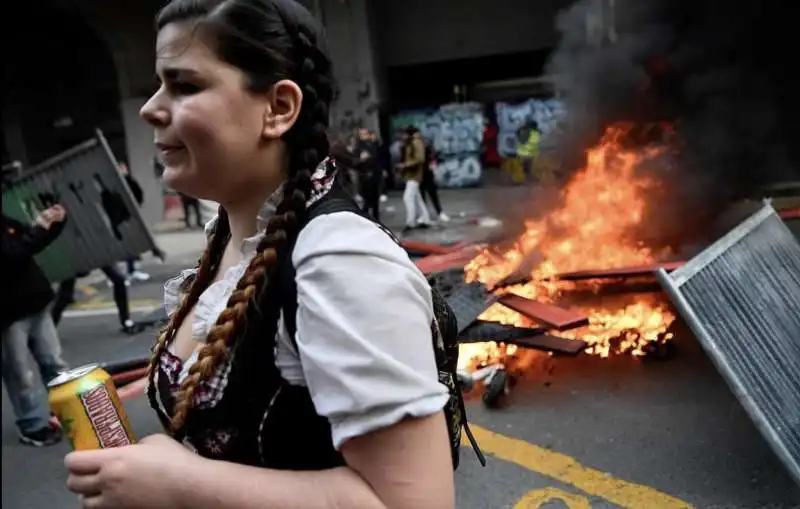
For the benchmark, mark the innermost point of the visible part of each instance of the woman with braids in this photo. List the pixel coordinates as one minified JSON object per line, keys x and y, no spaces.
{"x":335,"y":404}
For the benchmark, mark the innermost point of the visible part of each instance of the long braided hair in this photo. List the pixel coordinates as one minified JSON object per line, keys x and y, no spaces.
{"x":268,"y":40}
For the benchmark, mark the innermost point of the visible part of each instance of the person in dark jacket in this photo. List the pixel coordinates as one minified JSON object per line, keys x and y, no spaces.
{"x":370,"y":172}
{"x":428,"y":186}
{"x":26,"y":323}
{"x":132,"y":265}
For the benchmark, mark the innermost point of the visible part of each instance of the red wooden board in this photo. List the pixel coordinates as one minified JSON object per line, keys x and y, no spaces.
{"x":440,"y":262}
{"x":642,"y":270}
{"x":545,"y":314}
{"x":550,"y":344}
{"x":428,"y":248}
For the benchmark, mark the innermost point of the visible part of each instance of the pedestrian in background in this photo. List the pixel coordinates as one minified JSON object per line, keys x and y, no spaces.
{"x":134,"y":273}
{"x":370,"y":172}
{"x":428,"y":186}
{"x":396,"y":153}
{"x":191,"y":206}
{"x":411,"y":169}
{"x":529,"y":138}
{"x":27,"y":325}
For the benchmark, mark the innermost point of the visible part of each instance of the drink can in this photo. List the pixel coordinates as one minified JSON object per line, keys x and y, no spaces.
{"x":86,"y":402}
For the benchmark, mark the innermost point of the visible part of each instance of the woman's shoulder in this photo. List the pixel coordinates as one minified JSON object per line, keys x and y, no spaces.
{"x":347,"y":233}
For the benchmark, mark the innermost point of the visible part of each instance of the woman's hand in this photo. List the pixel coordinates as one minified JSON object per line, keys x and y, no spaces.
{"x":142,"y":476}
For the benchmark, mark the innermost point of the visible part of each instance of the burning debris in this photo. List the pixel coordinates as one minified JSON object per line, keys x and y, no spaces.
{"x":672,"y":110}
{"x":594,"y":227}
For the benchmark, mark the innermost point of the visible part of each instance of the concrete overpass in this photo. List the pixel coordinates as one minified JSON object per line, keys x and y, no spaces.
{"x":73,"y":65}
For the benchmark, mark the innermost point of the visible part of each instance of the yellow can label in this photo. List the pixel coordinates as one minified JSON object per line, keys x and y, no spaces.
{"x":106,"y":421}
{"x":91,"y":412}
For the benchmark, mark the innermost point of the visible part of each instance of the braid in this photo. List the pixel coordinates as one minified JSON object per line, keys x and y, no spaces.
{"x":307,"y":143}
{"x":206,"y":269}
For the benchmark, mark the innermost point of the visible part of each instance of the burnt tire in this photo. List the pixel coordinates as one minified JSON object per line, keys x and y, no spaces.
{"x":496,"y":390}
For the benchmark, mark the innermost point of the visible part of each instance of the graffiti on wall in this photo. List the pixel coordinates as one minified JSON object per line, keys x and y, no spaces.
{"x":510,"y":117}
{"x":455,"y":131}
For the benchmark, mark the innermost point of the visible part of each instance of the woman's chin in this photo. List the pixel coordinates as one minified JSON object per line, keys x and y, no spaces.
{"x":186,"y":182}
{"x":177,"y":179}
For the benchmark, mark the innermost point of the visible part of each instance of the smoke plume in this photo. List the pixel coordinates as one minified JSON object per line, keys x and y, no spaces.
{"x":720,"y":73}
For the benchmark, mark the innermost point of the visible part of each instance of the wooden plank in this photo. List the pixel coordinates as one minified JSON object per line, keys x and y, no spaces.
{"x":428,"y":248}
{"x":441,"y":262}
{"x":548,"y":315}
{"x":480,"y":331}
{"x":550,"y":344}
{"x":641,"y":270}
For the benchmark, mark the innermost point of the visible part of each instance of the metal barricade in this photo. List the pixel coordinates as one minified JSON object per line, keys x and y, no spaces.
{"x":741,"y":297}
{"x":104,"y":224}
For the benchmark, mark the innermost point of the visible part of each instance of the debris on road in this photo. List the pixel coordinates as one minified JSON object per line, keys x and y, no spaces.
{"x":549,"y":315}
{"x":622,"y":272}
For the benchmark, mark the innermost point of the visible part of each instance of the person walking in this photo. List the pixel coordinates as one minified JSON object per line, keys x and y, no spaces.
{"x":191,"y":205}
{"x":529,"y":137}
{"x":370,"y":173}
{"x":134,"y":273}
{"x":27,"y":325}
{"x":412,"y":169}
{"x":428,"y":186}
{"x":66,"y":296}
{"x":279,"y":380}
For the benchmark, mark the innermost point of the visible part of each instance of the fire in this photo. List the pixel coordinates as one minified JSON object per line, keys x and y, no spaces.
{"x":594,"y":227}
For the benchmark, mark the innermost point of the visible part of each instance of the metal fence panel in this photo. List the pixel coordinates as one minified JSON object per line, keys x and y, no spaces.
{"x":741,"y":297}
{"x":104,"y":224}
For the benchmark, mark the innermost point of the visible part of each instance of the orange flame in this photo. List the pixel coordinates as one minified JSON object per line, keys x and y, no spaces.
{"x":593,"y":227}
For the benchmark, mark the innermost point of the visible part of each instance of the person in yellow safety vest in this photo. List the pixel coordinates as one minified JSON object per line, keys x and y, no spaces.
{"x":528,"y":150}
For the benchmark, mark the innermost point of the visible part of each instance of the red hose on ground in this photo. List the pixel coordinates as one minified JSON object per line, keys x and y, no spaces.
{"x":126,"y":377}
{"x":133,"y":390}
{"x":789,"y":214}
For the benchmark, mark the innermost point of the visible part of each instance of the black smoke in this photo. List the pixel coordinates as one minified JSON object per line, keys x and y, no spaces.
{"x":723,"y":74}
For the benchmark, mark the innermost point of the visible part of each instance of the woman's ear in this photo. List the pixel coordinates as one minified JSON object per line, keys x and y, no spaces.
{"x":283,"y":107}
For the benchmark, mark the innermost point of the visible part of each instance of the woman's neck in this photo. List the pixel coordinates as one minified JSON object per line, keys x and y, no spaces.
{"x":243,"y":212}
{"x":243,"y":221}
{"x":243,"y":215}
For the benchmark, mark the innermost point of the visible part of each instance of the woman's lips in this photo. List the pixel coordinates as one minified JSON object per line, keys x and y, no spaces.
{"x":169,"y":151}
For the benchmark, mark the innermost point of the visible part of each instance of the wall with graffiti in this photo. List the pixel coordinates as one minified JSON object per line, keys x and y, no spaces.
{"x":456,"y":131}
{"x":512,"y":117}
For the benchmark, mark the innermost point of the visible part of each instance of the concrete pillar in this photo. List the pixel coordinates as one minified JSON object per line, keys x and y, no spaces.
{"x":12,"y":130}
{"x":139,"y":145}
{"x":128,"y":30}
{"x":358,"y":72}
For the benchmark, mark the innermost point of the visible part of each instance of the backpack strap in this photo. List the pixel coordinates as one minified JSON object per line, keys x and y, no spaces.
{"x":336,"y":200}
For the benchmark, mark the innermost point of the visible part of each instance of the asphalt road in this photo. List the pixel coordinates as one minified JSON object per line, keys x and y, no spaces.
{"x":576,"y":432}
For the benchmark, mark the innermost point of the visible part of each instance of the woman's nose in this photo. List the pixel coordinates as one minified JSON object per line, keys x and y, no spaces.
{"x":154,"y":113}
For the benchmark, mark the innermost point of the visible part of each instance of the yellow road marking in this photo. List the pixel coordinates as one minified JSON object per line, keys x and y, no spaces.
{"x":95,"y":304}
{"x":537,"y":498}
{"x":569,"y":471}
